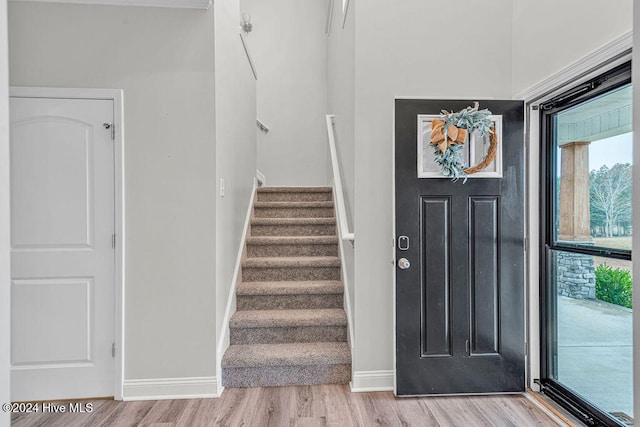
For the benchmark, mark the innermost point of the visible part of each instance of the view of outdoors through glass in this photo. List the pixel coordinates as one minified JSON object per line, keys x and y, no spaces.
{"x":593,"y":210}
{"x":594,"y":143}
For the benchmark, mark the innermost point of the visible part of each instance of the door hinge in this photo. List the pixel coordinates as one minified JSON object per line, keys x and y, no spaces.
{"x":526,"y":244}
{"x":113,"y":241}
{"x":113,"y":350}
{"x":467,"y":347}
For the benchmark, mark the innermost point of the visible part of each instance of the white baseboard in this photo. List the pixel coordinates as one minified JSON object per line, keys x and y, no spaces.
{"x":366,"y":381}
{"x":262,"y":180}
{"x":170,"y":388}
{"x":223,"y":341}
{"x":345,"y":283}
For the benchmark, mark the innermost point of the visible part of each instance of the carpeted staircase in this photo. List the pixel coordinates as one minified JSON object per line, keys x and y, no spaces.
{"x":290,"y":327}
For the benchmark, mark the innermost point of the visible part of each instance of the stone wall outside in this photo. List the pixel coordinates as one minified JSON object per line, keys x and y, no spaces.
{"x":576,"y":277}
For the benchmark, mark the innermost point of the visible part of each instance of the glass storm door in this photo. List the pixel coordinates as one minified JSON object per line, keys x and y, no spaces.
{"x":586,"y":280}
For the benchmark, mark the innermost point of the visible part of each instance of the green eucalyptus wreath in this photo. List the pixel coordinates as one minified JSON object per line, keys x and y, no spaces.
{"x":448,"y":136}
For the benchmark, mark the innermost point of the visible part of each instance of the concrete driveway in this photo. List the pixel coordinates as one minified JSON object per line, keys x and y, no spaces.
{"x":595,"y":352}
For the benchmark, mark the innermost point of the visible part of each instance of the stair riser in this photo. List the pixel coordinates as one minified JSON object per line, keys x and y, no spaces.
{"x":276,"y":335}
{"x":273,"y":274}
{"x":294,"y":197}
{"x":286,"y":375}
{"x":293,"y":230}
{"x":291,"y":250}
{"x":294,"y":212}
{"x":288,"y":302}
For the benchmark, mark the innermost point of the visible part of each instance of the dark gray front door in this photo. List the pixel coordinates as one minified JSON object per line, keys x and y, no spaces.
{"x":460,"y":305}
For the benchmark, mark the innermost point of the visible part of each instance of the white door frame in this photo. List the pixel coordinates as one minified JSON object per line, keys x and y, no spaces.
{"x":5,"y":329}
{"x":115,"y":95}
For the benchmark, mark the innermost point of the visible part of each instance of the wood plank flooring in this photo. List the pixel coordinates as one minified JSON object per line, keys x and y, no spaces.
{"x":324,"y":405}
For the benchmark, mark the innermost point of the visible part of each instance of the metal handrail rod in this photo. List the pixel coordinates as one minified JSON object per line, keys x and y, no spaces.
{"x":264,"y":128}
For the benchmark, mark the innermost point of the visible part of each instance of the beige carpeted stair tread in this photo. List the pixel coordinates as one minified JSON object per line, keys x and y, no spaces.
{"x":292,"y":240}
{"x":294,"y":226}
{"x":318,"y":287}
{"x":288,"y":318}
{"x":290,"y":354}
{"x":294,"y":221}
{"x":291,"y":262}
{"x":320,"y":204}
{"x":294,"y":190}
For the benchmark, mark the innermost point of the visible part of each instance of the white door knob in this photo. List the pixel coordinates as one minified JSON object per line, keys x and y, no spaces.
{"x":404,"y":263}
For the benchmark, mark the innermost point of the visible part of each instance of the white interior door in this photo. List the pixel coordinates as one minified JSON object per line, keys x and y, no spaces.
{"x":62,"y":259}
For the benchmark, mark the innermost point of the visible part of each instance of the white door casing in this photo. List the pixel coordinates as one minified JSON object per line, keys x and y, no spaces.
{"x":62,"y":223}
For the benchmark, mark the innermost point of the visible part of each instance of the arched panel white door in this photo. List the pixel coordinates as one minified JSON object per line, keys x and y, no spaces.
{"x":62,"y":266}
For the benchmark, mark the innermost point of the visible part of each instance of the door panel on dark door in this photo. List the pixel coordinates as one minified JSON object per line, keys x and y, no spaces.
{"x":436,"y":316}
{"x":484,"y":280}
{"x":460,"y":306}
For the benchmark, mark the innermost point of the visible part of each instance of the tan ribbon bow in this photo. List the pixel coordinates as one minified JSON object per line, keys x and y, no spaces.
{"x":455,"y":135}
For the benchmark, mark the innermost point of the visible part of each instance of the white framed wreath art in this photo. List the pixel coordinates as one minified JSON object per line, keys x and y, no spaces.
{"x":462,"y":145}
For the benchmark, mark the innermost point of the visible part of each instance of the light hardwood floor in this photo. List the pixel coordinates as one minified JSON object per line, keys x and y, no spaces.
{"x":325,"y":405}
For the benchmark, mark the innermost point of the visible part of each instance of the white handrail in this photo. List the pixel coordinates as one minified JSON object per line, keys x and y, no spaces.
{"x":337,"y":183}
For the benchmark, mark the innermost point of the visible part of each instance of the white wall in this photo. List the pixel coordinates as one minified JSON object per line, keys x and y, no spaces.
{"x":5,"y":418}
{"x":396,"y":54}
{"x":235,"y":147}
{"x":549,"y":35}
{"x":341,"y":85}
{"x":288,"y":45}
{"x":164,"y":61}
{"x":401,"y":51}
{"x":636,"y":213}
